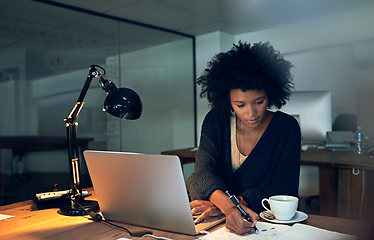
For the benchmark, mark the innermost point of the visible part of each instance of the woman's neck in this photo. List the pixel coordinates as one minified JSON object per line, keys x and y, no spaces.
{"x":246,"y":137}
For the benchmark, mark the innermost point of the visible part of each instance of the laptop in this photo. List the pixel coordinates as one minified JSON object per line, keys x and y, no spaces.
{"x":144,"y":190}
{"x":340,"y":141}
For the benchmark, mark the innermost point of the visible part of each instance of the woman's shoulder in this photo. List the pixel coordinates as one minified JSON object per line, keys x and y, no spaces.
{"x":285,"y":119}
{"x":210,"y":117}
{"x":214,"y":116}
{"x":283,"y":115}
{"x":214,"y":122}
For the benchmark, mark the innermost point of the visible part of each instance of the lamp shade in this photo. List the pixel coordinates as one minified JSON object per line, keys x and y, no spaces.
{"x":123,"y":103}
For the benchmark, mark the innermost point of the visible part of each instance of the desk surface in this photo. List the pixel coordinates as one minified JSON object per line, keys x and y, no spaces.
{"x":338,"y":159}
{"x":30,"y":223}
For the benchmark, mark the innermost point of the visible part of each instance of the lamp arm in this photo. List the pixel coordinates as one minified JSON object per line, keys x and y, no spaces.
{"x":70,"y":125}
{"x":80,"y":102}
{"x":73,"y":153}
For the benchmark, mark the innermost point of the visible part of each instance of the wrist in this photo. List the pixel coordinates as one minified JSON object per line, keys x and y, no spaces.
{"x":229,"y":210}
{"x":242,"y":201}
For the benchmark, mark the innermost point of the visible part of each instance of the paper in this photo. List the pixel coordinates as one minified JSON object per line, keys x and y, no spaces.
{"x":313,"y":233}
{"x":3,"y":216}
{"x":267,"y":231}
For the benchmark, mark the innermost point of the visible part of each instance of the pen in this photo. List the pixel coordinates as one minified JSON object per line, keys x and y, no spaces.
{"x":237,"y":205}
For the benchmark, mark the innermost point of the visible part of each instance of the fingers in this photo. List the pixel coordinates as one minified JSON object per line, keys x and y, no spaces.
{"x":201,"y":218}
{"x":199,"y":206}
{"x":198,"y":209}
{"x":197,"y":203}
{"x":254,"y":216}
{"x":236,"y":223}
{"x":253,"y":223}
{"x":208,"y":213}
{"x":240,"y":227}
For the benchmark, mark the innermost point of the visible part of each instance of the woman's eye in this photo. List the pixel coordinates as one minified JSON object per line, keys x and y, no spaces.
{"x":240,"y":106}
{"x":260,"y":102}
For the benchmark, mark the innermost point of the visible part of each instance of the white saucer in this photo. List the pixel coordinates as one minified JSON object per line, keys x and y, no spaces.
{"x":299,"y":217}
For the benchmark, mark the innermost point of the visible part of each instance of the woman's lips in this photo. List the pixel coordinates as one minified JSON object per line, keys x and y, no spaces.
{"x":253,"y":121}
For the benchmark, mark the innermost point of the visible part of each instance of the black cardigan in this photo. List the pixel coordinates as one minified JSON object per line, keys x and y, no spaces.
{"x":272,"y":168}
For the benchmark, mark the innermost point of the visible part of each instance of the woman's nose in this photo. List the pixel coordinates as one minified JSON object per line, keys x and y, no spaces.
{"x":251,"y":111}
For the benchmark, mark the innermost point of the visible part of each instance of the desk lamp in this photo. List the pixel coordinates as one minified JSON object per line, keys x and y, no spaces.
{"x":120,"y":102}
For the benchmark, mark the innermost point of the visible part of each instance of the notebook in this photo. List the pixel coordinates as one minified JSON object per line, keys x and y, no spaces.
{"x":340,"y":141}
{"x":145,"y":190}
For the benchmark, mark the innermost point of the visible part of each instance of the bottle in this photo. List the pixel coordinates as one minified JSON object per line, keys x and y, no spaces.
{"x":359,"y":138}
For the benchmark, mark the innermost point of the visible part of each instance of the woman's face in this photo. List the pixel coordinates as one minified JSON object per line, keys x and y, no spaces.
{"x":250,"y":106}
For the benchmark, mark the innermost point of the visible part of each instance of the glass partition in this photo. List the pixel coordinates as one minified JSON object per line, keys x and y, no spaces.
{"x":45,"y":54}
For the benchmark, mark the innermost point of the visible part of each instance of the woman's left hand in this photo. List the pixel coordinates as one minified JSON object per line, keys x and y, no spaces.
{"x":206,"y":208}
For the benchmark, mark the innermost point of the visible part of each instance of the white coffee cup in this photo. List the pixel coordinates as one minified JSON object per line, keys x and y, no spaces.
{"x":282,"y":206}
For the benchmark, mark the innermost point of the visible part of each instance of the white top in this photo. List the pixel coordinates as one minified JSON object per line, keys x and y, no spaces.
{"x":237,"y":158}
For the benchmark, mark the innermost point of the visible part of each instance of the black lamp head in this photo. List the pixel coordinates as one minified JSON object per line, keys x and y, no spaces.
{"x":123,"y":103}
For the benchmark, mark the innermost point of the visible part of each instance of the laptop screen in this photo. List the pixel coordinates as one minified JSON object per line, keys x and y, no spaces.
{"x":141,"y":189}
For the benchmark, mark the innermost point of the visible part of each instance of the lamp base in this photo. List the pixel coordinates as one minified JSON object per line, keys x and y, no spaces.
{"x":70,"y":208}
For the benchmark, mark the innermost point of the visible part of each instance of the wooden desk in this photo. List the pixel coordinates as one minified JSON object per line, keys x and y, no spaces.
{"x":345,"y":183}
{"x":340,"y":189}
{"x":30,"y":223}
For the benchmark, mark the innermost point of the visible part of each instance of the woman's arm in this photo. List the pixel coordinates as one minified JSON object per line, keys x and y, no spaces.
{"x":209,"y":164}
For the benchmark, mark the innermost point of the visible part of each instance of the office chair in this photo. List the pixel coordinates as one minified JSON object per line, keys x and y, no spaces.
{"x":345,"y":122}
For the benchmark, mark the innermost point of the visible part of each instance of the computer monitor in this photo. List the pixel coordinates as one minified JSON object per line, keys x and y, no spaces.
{"x":313,"y":111}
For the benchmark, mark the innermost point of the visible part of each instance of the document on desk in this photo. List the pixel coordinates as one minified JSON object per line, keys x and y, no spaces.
{"x":3,"y":216}
{"x":313,"y":233}
{"x":267,"y":231}
{"x":270,"y":231}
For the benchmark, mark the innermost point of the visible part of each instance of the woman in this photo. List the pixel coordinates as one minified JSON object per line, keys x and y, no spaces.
{"x":245,"y":148}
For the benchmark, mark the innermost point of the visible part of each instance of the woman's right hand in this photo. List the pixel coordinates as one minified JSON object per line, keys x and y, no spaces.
{"x":236,"y":223}
{"x":234,"y":219}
